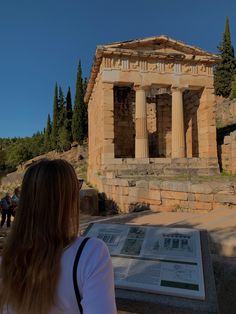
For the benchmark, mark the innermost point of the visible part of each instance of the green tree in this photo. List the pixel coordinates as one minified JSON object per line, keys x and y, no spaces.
{"x":63,"y":133}
{"x":48,"y":134}
{"x":85,"y":83}
{"x":226,"y":68}
{"x":2,"y":159}
{"x":233,"y":88}
{"x":61,"y":107}
{"x":64,"y":136}
{"x":18,"y":153}
{"x":78,"y":118}
{"x":69,"y":113}
{"x":55,"y":118}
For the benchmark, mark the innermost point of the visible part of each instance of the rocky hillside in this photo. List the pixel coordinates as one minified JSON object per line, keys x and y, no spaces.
{"x":77,"y":156}
{"x":225,"y":113}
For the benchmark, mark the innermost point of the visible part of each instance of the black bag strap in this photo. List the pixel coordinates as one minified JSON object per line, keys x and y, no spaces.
{"x":75,"y":266}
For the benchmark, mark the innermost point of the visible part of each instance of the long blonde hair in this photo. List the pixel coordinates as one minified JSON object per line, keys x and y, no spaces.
{"x":47,"y":220}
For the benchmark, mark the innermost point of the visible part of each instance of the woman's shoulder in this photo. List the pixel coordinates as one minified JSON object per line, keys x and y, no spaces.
{"x":94,"y":254}
{"x":92,"y":244}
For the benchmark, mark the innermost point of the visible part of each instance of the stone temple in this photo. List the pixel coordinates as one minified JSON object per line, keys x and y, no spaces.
{"x":151,"y":111}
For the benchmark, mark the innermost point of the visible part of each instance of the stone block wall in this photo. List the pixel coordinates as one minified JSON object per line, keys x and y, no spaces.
{"x":228,"y":153}
{"x":95,"y":114}
{"x":131,"y":195}
{"x":207,"y":124}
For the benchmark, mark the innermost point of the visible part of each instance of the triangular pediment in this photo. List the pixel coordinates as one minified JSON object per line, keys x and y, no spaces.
{"x":160,"y":44}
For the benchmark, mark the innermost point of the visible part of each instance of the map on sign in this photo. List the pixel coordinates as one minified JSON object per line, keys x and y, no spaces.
{"x":153,"y":259}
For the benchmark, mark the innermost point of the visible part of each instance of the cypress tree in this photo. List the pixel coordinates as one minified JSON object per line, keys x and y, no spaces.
{"x":64,"y":136}
{"x":47,"y":135}
{"x":69,"y":113}
{"x":85,"y":83}
{"x":226,"y":68}
{"x":55,"y":119}
{"x":78,"y":126}
{"x":233,"y":89}
{"x":61,"y":105}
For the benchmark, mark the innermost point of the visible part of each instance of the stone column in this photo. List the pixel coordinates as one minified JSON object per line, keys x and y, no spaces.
{"x":178,"y":140}
{"x":141,"y":133}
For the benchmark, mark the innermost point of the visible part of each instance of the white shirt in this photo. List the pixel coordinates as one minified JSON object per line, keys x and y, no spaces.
{"x":94,"y":276}
{"x":95,"y":280}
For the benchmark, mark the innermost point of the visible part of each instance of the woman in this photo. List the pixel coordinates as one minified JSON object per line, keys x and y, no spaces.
{"x":38,"y":258}
{"x":6,"y":207}
{"x":15,"y":200}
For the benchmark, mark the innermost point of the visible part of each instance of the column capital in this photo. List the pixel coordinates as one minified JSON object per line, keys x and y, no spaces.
{"x":178,"y":88}
{"x":141,"y":87}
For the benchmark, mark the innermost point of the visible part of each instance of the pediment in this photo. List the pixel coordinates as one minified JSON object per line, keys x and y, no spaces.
{"x":161,"y":44}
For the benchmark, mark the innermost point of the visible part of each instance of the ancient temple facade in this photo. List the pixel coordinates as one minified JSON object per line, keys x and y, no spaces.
{"x":151,"y":110}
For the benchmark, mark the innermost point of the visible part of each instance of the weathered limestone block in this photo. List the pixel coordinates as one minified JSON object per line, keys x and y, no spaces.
{"x":176,"y":186}
{"x":195,"y":205}
{"x":174,"y":195}
{"x":89,"y":201}
{"x":191,"y":197}
{"x":204,"y":197}
{"x":184,"y":204}
{"x":201,"y":188}
{"x":223,"y":206}
{"x":125,"y":190}
{"x":154,"y":185}
{"x":154,"y":195}
{"x":142,"y":184}
{"x":227,"y":139}
{"x":171,"y":203}
{"x":225,"y":198}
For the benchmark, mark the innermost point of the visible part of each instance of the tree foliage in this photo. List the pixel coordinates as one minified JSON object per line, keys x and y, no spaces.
{"x":15,"y":151}
{"x":233,"y":88}
{"x":48,"y":135}
{"x":226,"y":68}
{"x":80,"y":110}
{"x":69,"y":113}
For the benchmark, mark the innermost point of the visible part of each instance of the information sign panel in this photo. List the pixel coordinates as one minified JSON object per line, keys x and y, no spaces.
{"x":154,"y":259}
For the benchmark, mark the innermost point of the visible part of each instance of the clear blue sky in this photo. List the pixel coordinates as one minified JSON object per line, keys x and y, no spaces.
{"x":41,"y":42}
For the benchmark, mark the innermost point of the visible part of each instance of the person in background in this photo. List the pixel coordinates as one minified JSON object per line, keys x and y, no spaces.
{"x":15,"y":200}
{"x":6,"y":208}
{"x":40,"y":272}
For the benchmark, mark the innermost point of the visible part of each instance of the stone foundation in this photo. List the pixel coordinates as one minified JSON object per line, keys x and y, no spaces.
{"x":126,"y":167}
{"x":129,"y":195}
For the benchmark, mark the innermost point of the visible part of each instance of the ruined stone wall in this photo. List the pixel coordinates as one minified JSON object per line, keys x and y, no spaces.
{"x":129,"y":195}
{"x":228,"y":153}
